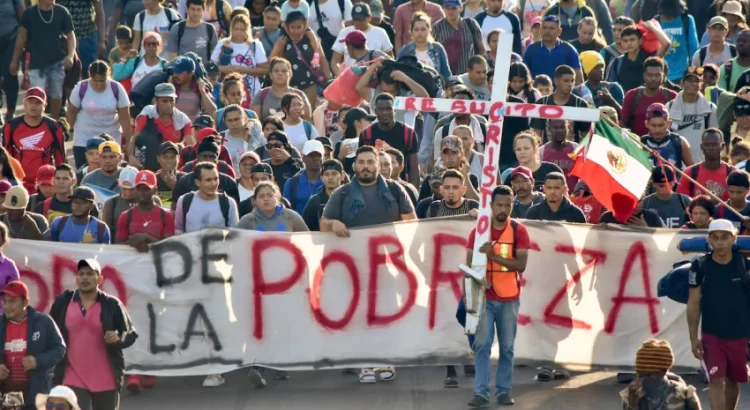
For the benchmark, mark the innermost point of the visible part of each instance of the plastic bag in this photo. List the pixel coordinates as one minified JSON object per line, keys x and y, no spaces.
{"x":650,"y":41}
{"x":343,"y":90}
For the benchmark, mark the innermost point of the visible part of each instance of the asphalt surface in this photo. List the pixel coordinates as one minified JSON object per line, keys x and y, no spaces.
{"x":413,"y":389}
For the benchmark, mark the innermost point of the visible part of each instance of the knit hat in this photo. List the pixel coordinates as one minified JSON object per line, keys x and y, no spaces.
{"x":589,"y":60}
{"x":654,"y":356}
{"x":208,"y":144}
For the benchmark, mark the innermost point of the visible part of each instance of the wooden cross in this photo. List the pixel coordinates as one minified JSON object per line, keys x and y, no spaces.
{"x":496,"y":109}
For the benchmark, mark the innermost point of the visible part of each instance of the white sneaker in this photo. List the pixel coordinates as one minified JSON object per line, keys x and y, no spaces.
{"x":386,"y":374}
{"x":213,"y":380}
{"x":367,"y":376}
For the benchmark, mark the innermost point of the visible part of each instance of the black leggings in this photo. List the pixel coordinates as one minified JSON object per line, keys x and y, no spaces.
{"x":107,"y":400}
{"x":9,"y":80}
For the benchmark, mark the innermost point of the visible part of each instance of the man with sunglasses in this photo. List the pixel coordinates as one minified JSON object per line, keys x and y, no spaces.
{"x":27,"y":362}
{"x":691,"y":112}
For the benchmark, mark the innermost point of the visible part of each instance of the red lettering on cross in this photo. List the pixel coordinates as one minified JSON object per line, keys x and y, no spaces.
{"x":458,"y":106}
{"x":322,"y":318}
{"x":524,"y":109}
{"x":493,"y":136}
{"x":496,"y":111}
{"x":550,"y":112}
{"x":477,"y":107}
{"x":483,"y":224}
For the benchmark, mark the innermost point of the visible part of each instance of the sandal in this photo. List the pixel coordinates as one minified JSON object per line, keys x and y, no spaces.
{"x":367,"y":376}
{"x":544,"y":375}
{"x":561,"y":374}
{"x":386,"y":374}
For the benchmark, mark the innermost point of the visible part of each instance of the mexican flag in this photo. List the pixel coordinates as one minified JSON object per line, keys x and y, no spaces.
{"x":615,"y":168}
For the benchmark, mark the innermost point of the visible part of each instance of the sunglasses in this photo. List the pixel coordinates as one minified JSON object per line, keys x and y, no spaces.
{"x":58,"y":406}
{"x":695,"y":70}
{"x":274,"y":146}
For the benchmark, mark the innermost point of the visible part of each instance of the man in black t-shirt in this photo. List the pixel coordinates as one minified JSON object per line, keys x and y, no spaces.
{"x":720,"y":303}
{"x":565,"y":78}
{"x":386,"y":132}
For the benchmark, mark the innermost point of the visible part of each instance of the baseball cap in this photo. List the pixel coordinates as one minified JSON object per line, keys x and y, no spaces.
{"x":206,"y":132}
{"x":451,"y":143}
{"x":376,"y":8}
{"x":696,"y":72}
{"x":45,"y":175}
{"x":250,"y":154}
{"x":165,"y":90}
{"x":110,"y":146}
{"x":212,"y":68}
{"x":657,"y":110}
{"x":278,"y":136}
{"x":16,"y":198}
{"x":58,"y":392}
{"x":333,"y":165}
{"x":536,"y":20}
{"x":551,"y":18}
{"x":36,"y":92}
{"x":355,"y":38}
{"x":361,"y":11}
{"x":262,"y":168}
{"x":522,"y":171}
{"x":145,"y":177}
{"x":590,"y":60}
{"x":312,"y":146}
{"x":452,"y":80}
{"x":660,"y":175}
{"x":183,"y":65}
{"x":127,"y":177}
{"x":84,"y":193}
{"x":711,"y":67}
{"x":94,"y":143}
{"x":356,"y":114}
{"x":721,"y":225}
{"x":452,"y":3}
{"x":16,"y":289}
{"x":167,"y":146}
{"x":4,"y":187}
{"x":204,"y":121}
{"x":91,"y":263}
{"x":718,"y":21}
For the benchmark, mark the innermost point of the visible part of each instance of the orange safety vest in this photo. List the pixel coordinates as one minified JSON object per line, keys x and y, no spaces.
{"x":504,"y":281}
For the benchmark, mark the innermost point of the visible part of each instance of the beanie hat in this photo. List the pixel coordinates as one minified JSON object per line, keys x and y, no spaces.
{"x":208,"y":144}
{"x":589,"y":60}
{"x":654,"y":356}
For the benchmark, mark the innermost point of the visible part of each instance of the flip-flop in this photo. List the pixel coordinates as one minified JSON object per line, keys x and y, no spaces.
{"x":544,"y":375}
{"x":561,"y":374}
{"x":367,"y":376}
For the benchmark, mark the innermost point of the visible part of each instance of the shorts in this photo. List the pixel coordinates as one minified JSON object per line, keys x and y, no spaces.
{"x":49,"y":78}
{"x":726,"y":358}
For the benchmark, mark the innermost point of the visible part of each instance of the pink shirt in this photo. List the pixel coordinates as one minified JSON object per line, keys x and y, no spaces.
{"x":87,"y":364}
{"x":404,"y":14}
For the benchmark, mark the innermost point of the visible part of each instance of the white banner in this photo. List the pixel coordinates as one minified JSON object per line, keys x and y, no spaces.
{"x":213,"y":301}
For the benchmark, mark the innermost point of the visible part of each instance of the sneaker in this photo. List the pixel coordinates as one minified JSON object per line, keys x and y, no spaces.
{"x":367,"y":376}
{"x":256,"y":379}
{"x":505,"y":400}
{"x":450,"y":382}
{"x":479,"y":401}
{"x":213,"y":380}
{"x":386,"y":374}
{"x":133,"y":383}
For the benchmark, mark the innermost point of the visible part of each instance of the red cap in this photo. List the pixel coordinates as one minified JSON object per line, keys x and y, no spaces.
{"x":16,"y":289}
{"x":355,"y":38}
{"x":523,"y":171}
{"x":36,"y":92}
{"x":657,"y":110}
{"x":145,"y":177}
{"x":45,"y":175}
{"x":206,"y":132}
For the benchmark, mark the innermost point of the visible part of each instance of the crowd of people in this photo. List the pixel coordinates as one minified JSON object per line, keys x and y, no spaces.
{"x":219,"y":113}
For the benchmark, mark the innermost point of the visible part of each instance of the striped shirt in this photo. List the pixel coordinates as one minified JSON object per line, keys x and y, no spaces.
{"x":189,"y":102}
{"x":444,"y":210}
{"x":470,"y":35}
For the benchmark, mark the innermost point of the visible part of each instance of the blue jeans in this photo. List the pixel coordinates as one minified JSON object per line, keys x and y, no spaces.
{"x":502,"y":316}
{"x":88,"y":49}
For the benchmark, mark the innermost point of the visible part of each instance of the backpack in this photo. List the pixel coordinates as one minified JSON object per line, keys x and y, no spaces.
{"x":685,"y":31}
{"x":147,"y":144}
{"x":432,"y":211}
{"x":15,"y":151}
{"x":639,"y":94}
{"x":172,"y":16}
{"x":223,"y":204}
{"x":368,"y":136}
{"x":327,"y":40}
{"x":210,"y":33}
{"x":100,"y":228}
{"x":85,"y":87}
{"x":694,"y":175}
{"x":676,"y":144}
{"x":308,"y":129}
{"x":703,"y":53}
{"x":674,"y":284}
{"x":392,"y":186}
{"x":143,"y":93}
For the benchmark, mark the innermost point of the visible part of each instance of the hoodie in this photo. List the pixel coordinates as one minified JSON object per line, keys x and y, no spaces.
{"x":567,"y":212}
{"x":281,"y":220}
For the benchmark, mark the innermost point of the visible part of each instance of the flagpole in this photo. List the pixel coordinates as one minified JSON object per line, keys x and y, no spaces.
{"x":679,"y":171}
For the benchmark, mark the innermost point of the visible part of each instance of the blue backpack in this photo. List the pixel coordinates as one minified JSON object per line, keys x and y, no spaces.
{"x":674,"y":284}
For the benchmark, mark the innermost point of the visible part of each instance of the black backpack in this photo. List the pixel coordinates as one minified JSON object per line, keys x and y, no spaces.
{"x":143,"y":93}
{"x":223,"y":204}
{"x":147,"y":144}
{"x":703,"y":52}
{"x":327,"y":40}
{"x":100,"y":228}
{"x":676,"y":143}
{"x":210,"y":33}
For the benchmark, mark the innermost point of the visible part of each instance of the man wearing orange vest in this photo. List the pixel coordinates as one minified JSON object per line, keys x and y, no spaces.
{"x":507,"y":254}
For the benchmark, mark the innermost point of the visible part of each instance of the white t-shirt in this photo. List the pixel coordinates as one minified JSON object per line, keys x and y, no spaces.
{"x":490,"y":23}
{"x":98,"y":112}
{"x":424,"y":58}
{"x":203,"y":214}
{"x":297,"y":135}
{"x":244,"y":193}
{"x":236,"y":147}
{"x":377,"y":39}
{"x":143,"y":70}
{"x":243,"y":56}
{"x":158,"y":23}
{"x":331,"y":14}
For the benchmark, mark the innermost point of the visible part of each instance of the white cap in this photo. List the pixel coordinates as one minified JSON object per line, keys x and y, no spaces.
{"x":127,"y":177}
{"x":313,"y":146}
{"x":60,"y":392}
{"x":721,"y":225}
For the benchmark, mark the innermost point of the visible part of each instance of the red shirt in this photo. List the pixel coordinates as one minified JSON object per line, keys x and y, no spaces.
{"x":715,"y":181}
{"x":522,"y":241}
{"x":637,"y":121}
{"x":149,"y":223}
{"x":34,"y":147}
{"x":15,"y":351}
{"x":591,"y":207}
{"x":167,"y":130}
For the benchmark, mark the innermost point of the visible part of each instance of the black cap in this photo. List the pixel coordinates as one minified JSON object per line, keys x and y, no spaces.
{"x":325,"y":141}
{"x":278,"y":136}
{"x":262,"y":168}
{"x":356,"y":114}
{"x":662,"y":174}
{"x":453,"y":80}
{"x":85,"y":193}
{"x":212,"y":68}
{"x":204,"y":121}
{"x":209,"y":144}
{"x":333,"y":165}
{"x":92,"y":264}
{"x":167,"y":146}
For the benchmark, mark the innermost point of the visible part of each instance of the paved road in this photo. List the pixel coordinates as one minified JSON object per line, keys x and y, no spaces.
{"x":413,"y":389}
